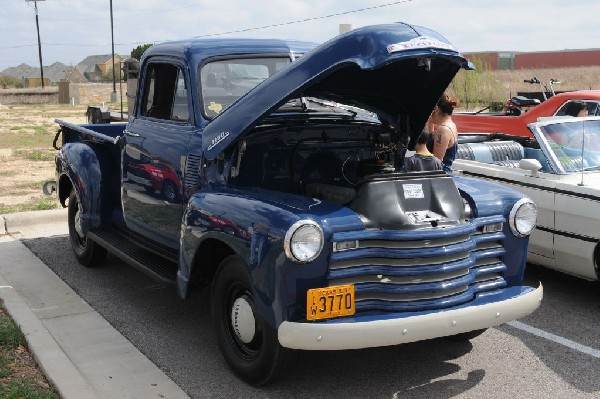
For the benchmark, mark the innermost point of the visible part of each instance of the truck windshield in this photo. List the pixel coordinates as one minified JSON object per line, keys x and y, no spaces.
{"x":224,"y":81}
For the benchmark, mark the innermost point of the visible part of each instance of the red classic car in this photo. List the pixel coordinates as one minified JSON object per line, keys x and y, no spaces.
{"x":517,"y":125}
{"x":157,"y":176}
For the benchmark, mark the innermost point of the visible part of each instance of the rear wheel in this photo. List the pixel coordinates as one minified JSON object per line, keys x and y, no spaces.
{"x":87,"y":252}
{"x":248,"y":343}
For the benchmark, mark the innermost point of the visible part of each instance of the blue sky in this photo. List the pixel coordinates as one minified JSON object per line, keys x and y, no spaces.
{"x":70,"y":30}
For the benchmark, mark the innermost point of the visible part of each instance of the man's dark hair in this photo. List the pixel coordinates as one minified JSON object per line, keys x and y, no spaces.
{"x":423,"y":138}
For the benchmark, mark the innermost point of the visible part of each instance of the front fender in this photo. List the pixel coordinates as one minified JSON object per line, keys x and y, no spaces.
{"x":487,"y":198}
{"x":253,"y":224}
{"x":91,"y":172}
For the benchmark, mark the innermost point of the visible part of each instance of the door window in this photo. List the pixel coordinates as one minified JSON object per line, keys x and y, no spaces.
{"x":166,"y":94}
{"x":592,"y":106}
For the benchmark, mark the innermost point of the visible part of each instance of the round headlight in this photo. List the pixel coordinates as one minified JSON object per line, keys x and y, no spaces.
{"x":303,"y":241}
{"x":523,"y":216}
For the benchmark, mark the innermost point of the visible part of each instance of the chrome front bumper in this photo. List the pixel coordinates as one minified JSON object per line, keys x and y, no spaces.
{"x":357,"y":335}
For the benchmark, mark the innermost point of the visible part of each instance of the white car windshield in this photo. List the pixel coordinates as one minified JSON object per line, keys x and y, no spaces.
{"x":574,"y":144}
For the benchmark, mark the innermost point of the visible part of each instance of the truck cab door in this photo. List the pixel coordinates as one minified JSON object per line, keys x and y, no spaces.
{"x":154,"y":153}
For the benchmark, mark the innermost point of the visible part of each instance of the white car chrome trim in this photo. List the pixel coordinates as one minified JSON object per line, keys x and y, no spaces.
{"x":338,"y":336}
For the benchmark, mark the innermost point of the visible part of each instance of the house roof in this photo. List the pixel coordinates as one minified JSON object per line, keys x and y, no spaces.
{"x":89,"y":63}
{"x":57,"y":71}
{"x":19,"y":72}
{"x":54,"y":72}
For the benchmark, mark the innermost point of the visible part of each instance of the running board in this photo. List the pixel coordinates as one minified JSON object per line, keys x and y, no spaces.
{"x":124,"y":247}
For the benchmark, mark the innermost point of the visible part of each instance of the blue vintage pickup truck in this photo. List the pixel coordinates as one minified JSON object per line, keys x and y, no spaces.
{"x":268,"y":170}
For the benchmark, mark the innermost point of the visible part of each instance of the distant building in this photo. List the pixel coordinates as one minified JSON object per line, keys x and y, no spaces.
{"x":31,"y":77}
{"x":537,"y":60}
{"x":96,"y":66}
{"x":19,"y":72}
{"x":91,"y":69}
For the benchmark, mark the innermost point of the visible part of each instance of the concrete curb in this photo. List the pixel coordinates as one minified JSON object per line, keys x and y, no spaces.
{"x":13,"y":222}
{"x":81,"y":354}
{"x":56,"y":365}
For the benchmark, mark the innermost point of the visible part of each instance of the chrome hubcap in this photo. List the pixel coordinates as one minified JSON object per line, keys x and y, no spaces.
{"x":242,"y":320}
{"x":78,"y":224}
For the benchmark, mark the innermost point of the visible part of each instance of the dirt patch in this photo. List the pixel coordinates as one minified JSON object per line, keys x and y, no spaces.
{"x":26,"y":153}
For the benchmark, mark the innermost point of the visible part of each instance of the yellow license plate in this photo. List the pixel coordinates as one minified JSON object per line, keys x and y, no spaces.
{"x":329,"y":302}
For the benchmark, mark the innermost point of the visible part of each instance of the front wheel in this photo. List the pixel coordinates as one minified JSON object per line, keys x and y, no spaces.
{"x":248,"y":343}
{"x":87,"y":252}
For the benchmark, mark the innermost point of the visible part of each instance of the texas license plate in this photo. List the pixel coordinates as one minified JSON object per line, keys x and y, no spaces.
{"x":329,"y":302}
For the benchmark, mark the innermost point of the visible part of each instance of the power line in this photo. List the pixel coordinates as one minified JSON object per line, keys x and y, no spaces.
{"x":19,"y":46}
{"x":306,"y":19}
{"x":229,"y":32}
{"x":65,"y":45}
{"x":128,"y":16}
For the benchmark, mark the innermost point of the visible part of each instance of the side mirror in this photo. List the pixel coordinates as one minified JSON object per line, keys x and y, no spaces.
{"x":532,"y":165}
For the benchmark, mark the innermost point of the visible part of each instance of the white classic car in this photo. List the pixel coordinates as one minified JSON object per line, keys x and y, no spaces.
{"x":560,"y":170}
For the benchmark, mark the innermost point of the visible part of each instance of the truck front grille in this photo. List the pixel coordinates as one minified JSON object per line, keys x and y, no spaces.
{"x":419,"y":270}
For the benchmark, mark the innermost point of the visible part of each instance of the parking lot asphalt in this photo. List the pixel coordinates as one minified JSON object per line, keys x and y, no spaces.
{"x":81,"y":354}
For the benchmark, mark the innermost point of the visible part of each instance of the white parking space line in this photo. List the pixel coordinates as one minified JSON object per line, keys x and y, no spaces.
{"x":555,"y":338}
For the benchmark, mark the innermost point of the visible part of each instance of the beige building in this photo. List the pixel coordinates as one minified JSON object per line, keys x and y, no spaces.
{"x":94,"y":67}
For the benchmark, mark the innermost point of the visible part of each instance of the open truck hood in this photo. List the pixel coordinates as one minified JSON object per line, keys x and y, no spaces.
{"x":396,"y":70}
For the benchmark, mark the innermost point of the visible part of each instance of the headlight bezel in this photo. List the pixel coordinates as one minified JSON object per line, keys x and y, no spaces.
{"x":295,"y":228}
{"x":514,"y":213}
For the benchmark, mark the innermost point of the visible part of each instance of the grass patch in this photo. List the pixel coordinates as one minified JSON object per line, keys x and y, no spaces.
{"x":25,"y":390}
{"x":10,"y":335}
{"x":24,"y":188}
{"x":37,"y":129}
{"x":20,"y":377}
{"x":41,"y":204}
{"x":25,"y":141}
{"x":37,"y":155}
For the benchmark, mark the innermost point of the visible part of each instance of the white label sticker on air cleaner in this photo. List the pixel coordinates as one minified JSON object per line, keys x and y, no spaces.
{"x":413,"y":191}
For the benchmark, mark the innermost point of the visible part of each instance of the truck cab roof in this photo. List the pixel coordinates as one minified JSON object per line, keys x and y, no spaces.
{"x":201,"y":49}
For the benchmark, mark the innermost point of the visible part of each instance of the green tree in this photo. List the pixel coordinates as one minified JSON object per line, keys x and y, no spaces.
{"x":139,"y":51}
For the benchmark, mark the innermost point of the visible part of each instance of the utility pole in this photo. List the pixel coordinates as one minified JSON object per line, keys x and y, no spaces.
{"x":113,"y":97}
{"x":37,"y":24}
